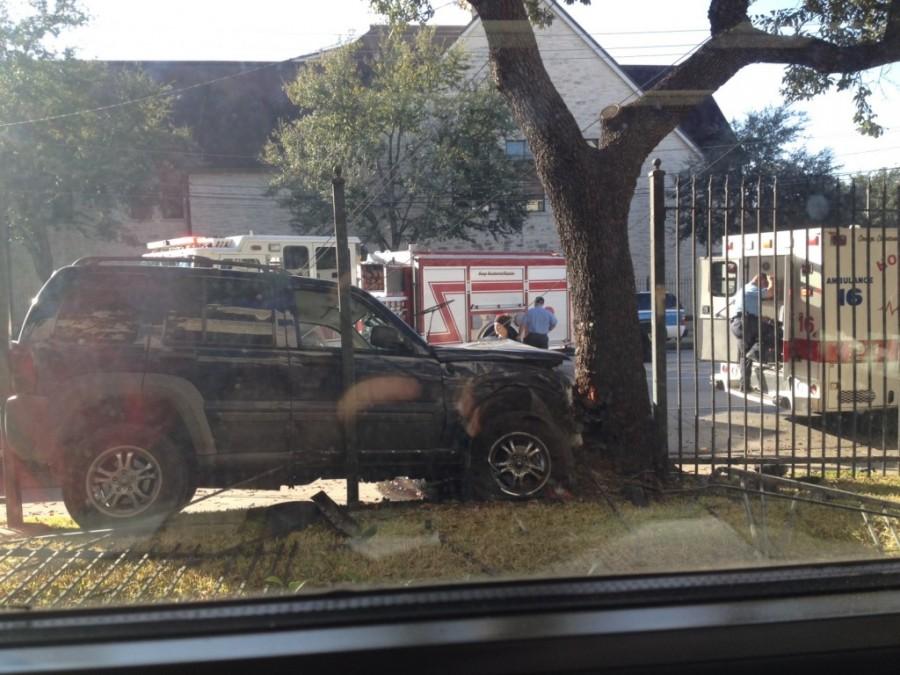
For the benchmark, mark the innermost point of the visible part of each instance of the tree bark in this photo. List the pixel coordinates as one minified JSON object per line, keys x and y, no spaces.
{"x":590,"y":191}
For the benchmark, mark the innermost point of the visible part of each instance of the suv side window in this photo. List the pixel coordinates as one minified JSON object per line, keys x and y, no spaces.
{"x":239,"y":312}
{"x":318,"y":319}
{"x":100,"y":309}
{"x":228,"y":311}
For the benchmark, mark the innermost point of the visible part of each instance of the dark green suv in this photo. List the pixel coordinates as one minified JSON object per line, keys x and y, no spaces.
{"x":135,"y":383}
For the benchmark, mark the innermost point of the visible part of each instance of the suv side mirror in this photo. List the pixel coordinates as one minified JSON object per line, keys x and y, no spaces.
{"x":387,"y":338}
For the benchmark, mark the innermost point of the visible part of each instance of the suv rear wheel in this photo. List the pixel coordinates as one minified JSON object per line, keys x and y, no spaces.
{"x":124,"y":476}
{"x":515,"y":458}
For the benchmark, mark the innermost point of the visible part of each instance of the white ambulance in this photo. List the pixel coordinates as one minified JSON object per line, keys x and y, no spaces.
{"x":308,"y":256}
{"x":831,"y":329}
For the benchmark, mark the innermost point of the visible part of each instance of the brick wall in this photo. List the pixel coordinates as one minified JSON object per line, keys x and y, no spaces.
{"x":235,"y":202}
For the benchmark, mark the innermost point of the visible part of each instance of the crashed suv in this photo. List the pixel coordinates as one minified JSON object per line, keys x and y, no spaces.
{"x":135,"y":383}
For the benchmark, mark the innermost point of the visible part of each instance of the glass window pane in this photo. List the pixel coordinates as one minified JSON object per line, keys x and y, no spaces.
{"x":296,"y":260}
{"x":238,"y":312}
{"x":326,"y":263}
{"x":319,"y":320}
{"x":99,"y":310}
{"x":724,"y":279}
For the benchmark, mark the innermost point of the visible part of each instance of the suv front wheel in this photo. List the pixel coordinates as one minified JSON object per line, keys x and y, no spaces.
{"x":124,"y":476}
{"x":515,"y":458}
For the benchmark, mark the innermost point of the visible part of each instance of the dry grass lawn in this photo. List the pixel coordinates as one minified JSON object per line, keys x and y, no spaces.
{"x":228,"y":553}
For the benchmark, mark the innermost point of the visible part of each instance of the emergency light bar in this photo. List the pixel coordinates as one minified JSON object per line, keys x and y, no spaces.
{"x":191,"y":242}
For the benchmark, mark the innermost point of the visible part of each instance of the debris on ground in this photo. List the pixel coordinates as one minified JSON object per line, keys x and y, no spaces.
{"x":402,"y":489}
{"x":337,"y":516}
{"x":281,"y":519}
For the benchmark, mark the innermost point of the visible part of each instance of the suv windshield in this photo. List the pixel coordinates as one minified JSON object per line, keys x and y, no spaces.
{"x":299,"y":297}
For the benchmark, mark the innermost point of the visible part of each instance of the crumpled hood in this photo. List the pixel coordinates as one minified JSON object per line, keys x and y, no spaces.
{"x":500,"y":351}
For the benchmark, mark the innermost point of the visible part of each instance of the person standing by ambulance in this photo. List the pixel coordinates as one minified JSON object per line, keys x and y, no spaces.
{"x":745,"y":321}
{"x":537,"y":324}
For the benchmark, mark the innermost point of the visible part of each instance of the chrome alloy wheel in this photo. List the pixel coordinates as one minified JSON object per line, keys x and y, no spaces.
{"x":520,"y":463}
{"x":123,"y":481}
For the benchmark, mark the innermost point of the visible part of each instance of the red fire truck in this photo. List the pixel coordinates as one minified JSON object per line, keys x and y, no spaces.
{"x":453,"y":297}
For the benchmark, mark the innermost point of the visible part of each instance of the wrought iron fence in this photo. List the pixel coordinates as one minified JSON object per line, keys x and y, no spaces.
{"x":814,"y":386}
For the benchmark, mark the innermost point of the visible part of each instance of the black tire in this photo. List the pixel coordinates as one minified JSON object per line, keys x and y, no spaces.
{"x":138,"y":478}
{"x":532,"y":451}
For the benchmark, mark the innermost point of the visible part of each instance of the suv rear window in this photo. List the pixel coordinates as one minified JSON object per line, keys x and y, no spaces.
{"x":99,"y":309}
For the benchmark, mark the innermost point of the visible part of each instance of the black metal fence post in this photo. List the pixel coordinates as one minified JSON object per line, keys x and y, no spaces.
{"x":658,"y":290}
{"x":12,"y":488}
{"x":348,"y":374}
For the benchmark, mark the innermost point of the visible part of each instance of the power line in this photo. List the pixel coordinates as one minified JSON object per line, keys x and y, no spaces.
{"x":148,"y":97}
{"x":655,"y":78}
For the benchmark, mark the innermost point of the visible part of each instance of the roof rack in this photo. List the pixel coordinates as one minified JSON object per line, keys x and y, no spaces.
{"x":162,"y":261}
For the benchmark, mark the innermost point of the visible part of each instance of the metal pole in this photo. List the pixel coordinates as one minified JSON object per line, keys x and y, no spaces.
{"x":12,"y":489}
{"x":658,"y":286}
{"x":348,"y":375}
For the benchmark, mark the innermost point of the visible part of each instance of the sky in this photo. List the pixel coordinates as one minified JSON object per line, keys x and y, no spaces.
{"x":636,"y":31}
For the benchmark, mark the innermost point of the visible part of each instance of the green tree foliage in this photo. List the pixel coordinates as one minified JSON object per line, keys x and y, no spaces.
{"x":71,"y":155}
{"x":843,"y":23}
{"x":417,"y":137}
{"x":768,"y":162}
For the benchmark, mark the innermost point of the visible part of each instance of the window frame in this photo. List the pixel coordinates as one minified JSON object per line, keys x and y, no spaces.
{"x":373,"y":307}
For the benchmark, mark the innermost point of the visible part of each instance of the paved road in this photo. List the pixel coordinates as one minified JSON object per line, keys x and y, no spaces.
{"x":714,"y":425}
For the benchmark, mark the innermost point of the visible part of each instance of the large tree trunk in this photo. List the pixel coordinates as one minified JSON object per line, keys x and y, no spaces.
{"x":609,"y":369}
{"x":590,"y":191}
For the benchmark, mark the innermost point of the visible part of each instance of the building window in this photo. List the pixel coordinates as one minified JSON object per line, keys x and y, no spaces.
{"x":535,"y":205}
{"x":518,"y":150}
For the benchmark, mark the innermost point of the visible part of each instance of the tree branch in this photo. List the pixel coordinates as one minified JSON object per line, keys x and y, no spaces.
{"x":726,"y":14}
{"x":659,"y":110}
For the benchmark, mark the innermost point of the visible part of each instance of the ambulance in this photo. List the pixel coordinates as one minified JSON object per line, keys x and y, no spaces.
{"x":830,"y":330}
{"x":451,"y":298}
{"x":308,"y":256}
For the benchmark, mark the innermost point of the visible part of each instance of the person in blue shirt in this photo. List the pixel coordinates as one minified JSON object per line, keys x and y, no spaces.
{"x":536,"y":325}
{"x":745,"y":321}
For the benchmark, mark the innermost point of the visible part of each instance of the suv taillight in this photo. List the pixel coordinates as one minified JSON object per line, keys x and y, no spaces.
{"x":21,"y":365}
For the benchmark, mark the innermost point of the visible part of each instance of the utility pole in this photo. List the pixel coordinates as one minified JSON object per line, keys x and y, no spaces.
{"x":348,"y":374}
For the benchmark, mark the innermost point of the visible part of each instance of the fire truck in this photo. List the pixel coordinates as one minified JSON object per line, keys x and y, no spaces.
{"x":829,"y":339}
{"x":453,"y":297}
{"x":308,"y":256}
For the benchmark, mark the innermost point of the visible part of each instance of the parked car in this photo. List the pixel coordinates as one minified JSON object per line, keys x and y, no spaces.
{"x":676,"y":323}
{"x":135,"y":383}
